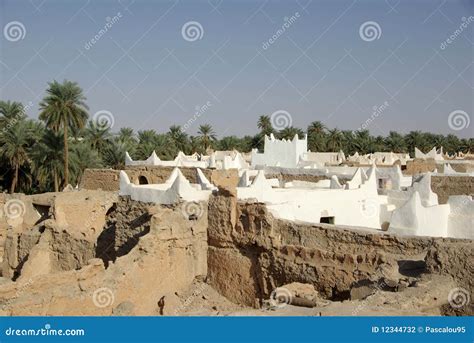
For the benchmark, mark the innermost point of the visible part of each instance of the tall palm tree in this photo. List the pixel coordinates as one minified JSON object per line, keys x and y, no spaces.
{"x":64,"y":107}
{"x":14,"y":147}
{"x":335,"y":140}
{"x":316,"y":135}
{"x":265,"y":125}
{"x":207,"y":135}
{"x":48,"y":159}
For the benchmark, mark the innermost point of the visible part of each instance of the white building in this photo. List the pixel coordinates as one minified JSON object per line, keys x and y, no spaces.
{"x":280,"y":153}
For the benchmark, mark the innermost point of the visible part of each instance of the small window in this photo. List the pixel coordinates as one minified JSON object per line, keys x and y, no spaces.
{"x":327,"y":220}
{"x":142,"y":180}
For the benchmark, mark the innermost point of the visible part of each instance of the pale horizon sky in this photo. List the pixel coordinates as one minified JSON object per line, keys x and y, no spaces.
{"x":149,"y":75}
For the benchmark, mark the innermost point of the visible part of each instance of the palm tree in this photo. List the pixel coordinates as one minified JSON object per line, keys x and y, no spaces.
{"x":64,"y":106}
{"x":414,"y":139}
{"x":395,"y":142}
{"x":229,"y":143}
{"x":98,"y":137}
{"x":127,"y":136}
{"x":48,"y":159}
{"x":290,"y":132}
{"x":114,"y":155}
{"x":364,"y":142}
{"x":335,"y":140}
{"x":207,"y":135}
{"x":265,"y":125}
{"x":11,"y":112}
{"x":316,"y":135}
{"x":178,"y":138}
{"x":82,"y":157}
{"x":15,"y":142}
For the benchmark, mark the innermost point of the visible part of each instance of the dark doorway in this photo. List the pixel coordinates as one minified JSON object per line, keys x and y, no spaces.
{"x":142,"y":180}
{"x":327,"y":220}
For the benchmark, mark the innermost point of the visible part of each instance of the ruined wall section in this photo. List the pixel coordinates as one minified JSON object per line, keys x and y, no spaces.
{"x":162,"y":261}
{"x":251,"y":253}
{"x":445,"y":186}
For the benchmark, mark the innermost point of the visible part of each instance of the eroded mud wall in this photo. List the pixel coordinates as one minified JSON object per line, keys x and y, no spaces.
{"x":251,"y":253}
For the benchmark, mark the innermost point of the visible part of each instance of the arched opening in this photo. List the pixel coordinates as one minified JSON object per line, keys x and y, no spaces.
{"x":142,"y":180}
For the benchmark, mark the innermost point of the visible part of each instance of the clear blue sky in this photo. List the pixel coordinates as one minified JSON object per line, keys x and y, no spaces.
{"x":148,"y":76}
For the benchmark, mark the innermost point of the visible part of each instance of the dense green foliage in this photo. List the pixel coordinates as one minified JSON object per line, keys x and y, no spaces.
{"x":45,"y":155}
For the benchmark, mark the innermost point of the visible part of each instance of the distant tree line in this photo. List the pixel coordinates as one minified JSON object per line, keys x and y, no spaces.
{"x":49,"y":153}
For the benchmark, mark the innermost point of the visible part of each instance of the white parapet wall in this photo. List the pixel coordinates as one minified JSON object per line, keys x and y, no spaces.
{"x":358,"y":206}
{"x":181,"y":160}
{"x":432,"y":154}
{"x":416,"y":211}
{"x":175,"y":189}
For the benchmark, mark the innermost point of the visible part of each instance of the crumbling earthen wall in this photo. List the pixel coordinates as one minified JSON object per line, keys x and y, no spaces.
{"x":251,"y":253}
{"x":163,"y":261}
{"x":419,"y":166}
{"x":445,"y":186}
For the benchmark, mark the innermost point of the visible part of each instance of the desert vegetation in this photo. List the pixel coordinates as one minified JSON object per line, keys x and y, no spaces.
{"x":53,"y":151}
